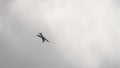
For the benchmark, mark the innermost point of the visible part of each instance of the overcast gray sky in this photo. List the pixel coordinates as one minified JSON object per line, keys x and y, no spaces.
{"x":82,"y":33}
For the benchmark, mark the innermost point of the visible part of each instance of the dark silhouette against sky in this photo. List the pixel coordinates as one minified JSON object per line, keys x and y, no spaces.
{"x":42,"y":37}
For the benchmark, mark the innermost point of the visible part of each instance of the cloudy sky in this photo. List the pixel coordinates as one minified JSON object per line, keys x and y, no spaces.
{"x":82,"y":33}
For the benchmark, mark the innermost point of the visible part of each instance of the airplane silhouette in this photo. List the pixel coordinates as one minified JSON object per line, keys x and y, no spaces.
{"x":42,"y":37}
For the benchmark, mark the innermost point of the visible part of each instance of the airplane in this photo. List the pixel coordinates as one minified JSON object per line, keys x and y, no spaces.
{"x":42,"y":37}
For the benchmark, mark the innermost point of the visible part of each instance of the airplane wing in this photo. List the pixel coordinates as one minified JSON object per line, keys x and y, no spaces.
{"x":38,"y":35}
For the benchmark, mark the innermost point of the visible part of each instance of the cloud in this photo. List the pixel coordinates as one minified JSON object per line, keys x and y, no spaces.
{"x":83,"y":33}
{"x":19,"y":45}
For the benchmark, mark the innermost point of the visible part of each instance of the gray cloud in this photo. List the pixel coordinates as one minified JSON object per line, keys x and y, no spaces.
{"x":83,"y":34}
{"x":19,"y":46}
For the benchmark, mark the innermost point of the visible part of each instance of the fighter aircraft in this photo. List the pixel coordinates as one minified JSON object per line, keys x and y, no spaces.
{"x":42,"y":37}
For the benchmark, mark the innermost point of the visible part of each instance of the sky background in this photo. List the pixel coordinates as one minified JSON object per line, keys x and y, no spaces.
{"x":82,"y":33}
